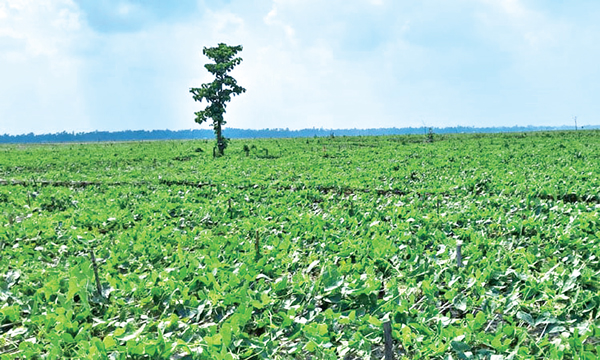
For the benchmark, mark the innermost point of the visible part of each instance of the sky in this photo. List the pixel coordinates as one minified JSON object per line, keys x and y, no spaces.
{"x":85,"y":65}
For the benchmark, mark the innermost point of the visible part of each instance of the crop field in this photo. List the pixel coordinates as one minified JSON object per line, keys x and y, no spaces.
{"x":469,"y":247}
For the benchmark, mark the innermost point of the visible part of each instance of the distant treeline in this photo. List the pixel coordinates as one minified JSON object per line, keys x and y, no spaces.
{"x":138,"y":135}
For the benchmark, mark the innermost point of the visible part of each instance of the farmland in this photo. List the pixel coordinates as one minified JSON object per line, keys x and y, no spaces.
{"x":303,"y":248}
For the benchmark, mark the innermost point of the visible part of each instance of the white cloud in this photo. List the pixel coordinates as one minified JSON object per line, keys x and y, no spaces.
{"x":40,"y":88}
{"x":44,"y":25}
{"x":273,"y":20}
{"x":270,"y":18}
{"x":124,"y":8}
{"x":511,"y":7}
{"x":361,"y":63}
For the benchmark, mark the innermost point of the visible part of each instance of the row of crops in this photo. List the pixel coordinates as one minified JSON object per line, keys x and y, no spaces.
{"x":302,"y":248}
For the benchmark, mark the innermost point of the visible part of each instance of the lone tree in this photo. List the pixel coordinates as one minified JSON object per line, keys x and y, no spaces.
{"x":218,"y":92}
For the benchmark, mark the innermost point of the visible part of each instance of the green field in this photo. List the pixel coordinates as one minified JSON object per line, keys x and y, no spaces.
{"x":303,"y":248}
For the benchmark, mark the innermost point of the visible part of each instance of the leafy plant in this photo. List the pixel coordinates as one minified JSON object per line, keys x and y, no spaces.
{"x":219,"y":92}
{"x":346,"y":243}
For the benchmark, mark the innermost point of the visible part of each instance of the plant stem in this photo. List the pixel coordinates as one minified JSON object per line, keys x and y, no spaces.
{"x":257,"y":246}
{"x":95,"y":267}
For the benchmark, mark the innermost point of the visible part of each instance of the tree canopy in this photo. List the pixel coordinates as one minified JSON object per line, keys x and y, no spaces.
{"x":219,"y":92}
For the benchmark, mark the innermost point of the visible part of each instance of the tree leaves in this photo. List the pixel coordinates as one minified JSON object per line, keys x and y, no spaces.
{"x":219,"y":92}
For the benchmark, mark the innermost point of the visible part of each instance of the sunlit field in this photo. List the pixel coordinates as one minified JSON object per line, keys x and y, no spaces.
{"x":469,"y":247}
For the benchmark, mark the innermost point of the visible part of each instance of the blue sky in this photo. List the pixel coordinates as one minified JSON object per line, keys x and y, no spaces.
{"x":84,"y":65}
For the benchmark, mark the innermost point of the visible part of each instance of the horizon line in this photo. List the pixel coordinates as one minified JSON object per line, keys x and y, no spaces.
{"x":321,"y":129}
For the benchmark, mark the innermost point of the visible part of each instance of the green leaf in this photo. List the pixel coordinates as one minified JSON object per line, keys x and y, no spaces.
{"x":12,"y":276}
{"x":68,"y":338}
{"x":332,"y":279}
{"x":214,"y":340}
{"x":133,"y":335}
{"x":479,"y":320}
{"x":460,"y":346}
{"x":109,"y":342}
{"x":322,"y":328}
{"x":311,"y":346}
{"x":460,"y":302}
{"x":374,"y":321}
{"x":526,"y":318}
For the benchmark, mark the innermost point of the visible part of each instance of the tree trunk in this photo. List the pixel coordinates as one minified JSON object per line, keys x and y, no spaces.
{"x":220,"y":140}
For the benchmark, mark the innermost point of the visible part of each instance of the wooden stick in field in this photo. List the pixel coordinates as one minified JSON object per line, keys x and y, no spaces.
{"x":388,"y":341}
{"x":95,"y":267}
